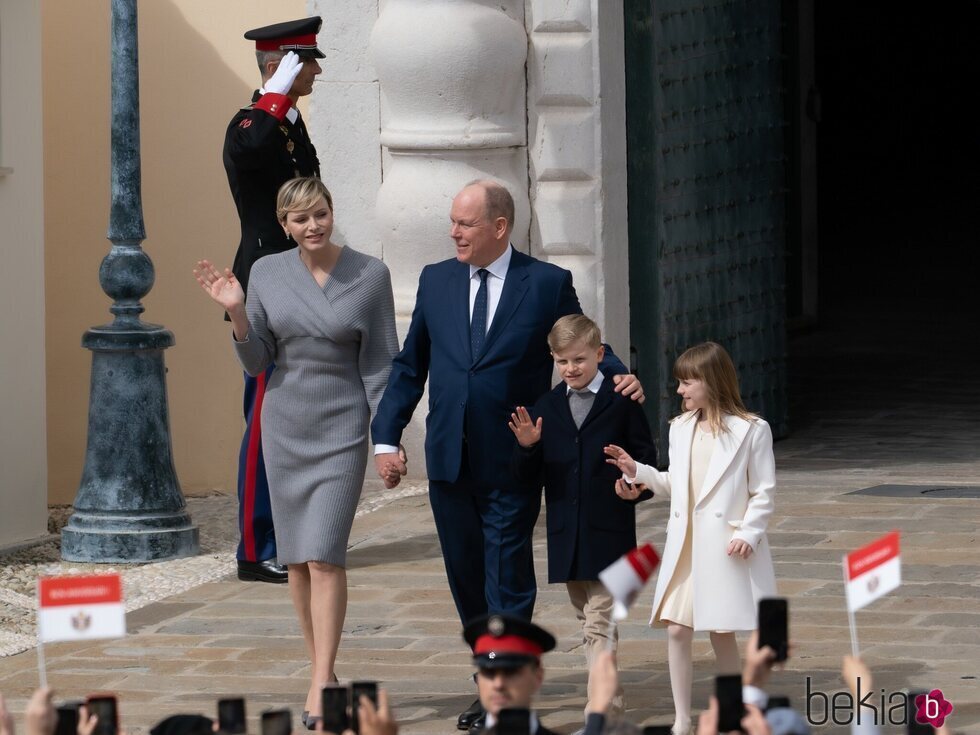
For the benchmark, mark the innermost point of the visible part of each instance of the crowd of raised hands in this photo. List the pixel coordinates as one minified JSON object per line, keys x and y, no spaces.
{"x":41,"y":717}
{"x":761,"y":716}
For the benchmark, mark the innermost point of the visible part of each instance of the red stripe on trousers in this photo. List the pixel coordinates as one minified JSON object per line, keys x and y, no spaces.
{"x":251,"y":464}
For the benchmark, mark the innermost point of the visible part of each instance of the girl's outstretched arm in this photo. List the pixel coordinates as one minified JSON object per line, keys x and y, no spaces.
{"x":638,"y":473}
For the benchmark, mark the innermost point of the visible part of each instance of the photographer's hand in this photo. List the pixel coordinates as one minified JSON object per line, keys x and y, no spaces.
{"x":6,"y":719}
{"x":40,"y":717}
{"x":854,"y":670}
{"x":758,"y":663}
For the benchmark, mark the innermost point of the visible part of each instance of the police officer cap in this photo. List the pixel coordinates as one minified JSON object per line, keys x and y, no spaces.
{"x":504,"y":641}
{"x":293,"y":35}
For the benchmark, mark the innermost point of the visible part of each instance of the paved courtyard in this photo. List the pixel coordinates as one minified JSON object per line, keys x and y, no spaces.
{"x":228,"y":638}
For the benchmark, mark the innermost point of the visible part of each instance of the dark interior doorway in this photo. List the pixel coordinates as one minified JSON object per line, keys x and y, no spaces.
{"x":898,"y":161}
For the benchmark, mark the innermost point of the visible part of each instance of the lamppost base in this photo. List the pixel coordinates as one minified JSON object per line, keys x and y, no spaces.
{"x":128,"y":508}
{"x":112,"y":539}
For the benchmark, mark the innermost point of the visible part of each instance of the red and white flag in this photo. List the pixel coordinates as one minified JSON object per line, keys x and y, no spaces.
{"x":79,"y":608}
{"x":872,"y":571}
{"x":626,"y":576}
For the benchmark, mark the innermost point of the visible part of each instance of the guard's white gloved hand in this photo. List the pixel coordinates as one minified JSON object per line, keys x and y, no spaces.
{"x":285,"y":74}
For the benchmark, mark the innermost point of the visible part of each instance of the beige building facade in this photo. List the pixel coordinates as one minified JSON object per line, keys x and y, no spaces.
{"x":195,"y":71}
{"x":23,"y":461}
{"x":394,"y":141}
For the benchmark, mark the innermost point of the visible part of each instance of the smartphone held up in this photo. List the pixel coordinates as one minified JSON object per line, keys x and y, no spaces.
{"x":104,"y":707}
{"x":231,"y":716}
{"x":774,"y":626}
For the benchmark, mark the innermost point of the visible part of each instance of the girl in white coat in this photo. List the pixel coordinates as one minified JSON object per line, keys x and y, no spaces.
{"x":716,"y":563}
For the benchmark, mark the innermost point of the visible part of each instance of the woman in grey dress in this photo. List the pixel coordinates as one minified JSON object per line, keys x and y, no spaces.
{"x":324,"y":314}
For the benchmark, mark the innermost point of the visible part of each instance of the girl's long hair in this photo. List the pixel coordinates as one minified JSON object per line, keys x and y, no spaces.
{"x":711,"y":364}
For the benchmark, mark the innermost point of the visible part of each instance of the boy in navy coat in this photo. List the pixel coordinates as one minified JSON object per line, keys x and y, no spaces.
{"x":560,"y":442}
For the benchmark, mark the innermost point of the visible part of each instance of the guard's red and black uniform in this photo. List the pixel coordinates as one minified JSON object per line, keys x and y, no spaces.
{"x":263,"y":150}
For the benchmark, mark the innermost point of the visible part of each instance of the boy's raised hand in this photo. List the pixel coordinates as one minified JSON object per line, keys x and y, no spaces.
{"x":528,"y":433}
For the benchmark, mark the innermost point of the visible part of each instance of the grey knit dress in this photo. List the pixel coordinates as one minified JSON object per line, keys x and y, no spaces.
{"x":332,"y":348}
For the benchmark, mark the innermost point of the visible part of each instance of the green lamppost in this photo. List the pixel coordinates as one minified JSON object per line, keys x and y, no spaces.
{"x":129,"y":507}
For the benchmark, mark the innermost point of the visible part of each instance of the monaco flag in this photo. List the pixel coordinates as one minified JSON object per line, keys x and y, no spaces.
{"x":872,"y":571}
{"x":625,"y":577}
{"x":77,"y":608}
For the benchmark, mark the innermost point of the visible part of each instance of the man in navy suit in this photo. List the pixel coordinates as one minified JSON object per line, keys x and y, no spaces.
{"x":479,"y":330}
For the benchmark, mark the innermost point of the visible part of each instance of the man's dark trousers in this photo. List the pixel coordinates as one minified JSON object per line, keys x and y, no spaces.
{"x":485,"y":534}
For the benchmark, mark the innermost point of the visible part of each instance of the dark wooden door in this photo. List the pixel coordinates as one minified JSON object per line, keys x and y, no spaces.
{"x":707,"y":169}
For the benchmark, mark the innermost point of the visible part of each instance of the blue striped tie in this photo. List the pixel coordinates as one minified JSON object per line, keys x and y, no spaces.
{"x":478,"y":324}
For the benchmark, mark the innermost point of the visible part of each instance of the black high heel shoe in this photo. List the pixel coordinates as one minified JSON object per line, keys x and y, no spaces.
{"x":309,"y":721}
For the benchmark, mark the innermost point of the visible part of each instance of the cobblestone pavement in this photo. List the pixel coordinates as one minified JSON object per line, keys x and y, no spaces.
{"x":227,"y":638}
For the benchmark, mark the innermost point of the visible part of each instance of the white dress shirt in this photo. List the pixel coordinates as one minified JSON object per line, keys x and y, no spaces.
{"x":495,"y":287}
{"x":593,"y":386}
{"x":495,"y":284}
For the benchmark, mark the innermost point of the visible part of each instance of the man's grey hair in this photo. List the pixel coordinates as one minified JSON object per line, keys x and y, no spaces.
{"x":499,"y":201}
{"x":264,"y":57}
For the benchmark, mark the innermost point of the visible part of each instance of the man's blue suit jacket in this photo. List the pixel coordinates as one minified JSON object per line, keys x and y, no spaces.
{"x":474,"y":395}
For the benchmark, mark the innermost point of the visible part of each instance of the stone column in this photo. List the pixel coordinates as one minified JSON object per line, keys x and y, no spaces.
{"x":452,"y":110}
{"x":344,"y":119}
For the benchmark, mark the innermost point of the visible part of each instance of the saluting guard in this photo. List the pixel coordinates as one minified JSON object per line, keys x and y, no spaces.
{"x":266,"y":145}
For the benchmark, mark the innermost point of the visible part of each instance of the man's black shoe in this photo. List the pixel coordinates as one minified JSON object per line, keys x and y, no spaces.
{"x":262,"y":571}
{"x":470,"y":715}
{"x":479,"y":725}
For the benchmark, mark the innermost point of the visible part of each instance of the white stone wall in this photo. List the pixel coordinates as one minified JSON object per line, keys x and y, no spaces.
{"x":23,"y":445}
{"x":344,"y":119}
{"x":420,"y":96}
{"x":452,"y":110}
{"x":577,"y":152}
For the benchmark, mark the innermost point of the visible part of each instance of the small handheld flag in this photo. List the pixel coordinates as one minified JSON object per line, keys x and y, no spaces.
{"x":870,"y":572}
{"x":78,"y":608}
{"x":626,"y":576}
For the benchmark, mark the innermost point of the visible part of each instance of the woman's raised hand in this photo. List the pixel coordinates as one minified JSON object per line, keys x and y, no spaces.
{"x":621,"y":460}
{"x":224,"y":288}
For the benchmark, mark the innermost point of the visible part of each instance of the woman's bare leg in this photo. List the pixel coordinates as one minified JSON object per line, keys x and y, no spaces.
{"x":328,"y":608}
{"x":299,"y":591}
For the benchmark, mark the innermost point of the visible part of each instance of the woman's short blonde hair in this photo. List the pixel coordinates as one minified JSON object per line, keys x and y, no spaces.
{"x":712,"y":365}
{"x":299,"y":194}
{"x":571,"y":328}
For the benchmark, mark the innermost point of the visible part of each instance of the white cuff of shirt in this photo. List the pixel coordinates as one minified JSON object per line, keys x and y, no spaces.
{"x":754,"y":695}
{"x":628,"y":480}
{"x":385,"y":449}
